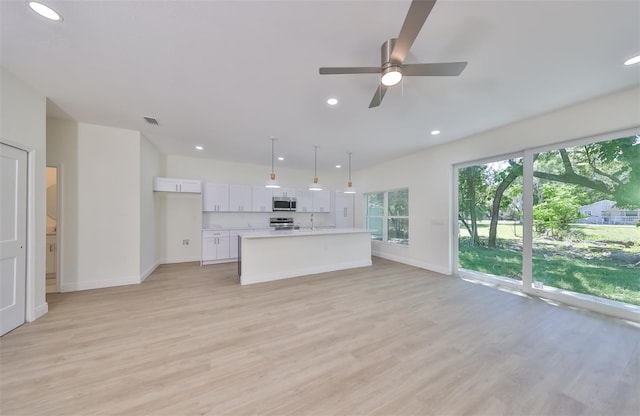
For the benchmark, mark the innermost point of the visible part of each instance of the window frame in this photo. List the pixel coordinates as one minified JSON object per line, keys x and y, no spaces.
{"x":386,"y":217}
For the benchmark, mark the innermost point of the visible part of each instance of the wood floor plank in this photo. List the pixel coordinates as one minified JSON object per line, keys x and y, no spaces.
{"x":390,"y":339}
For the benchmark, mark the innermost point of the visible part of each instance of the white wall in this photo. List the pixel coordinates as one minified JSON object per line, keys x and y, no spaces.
{"x":109,"y":209}
{"x":103,"y":240}
{"x":23,"y":125}
{"x":108,"y":218}
{"x":429,"y":174}
{"x":151,"y":165}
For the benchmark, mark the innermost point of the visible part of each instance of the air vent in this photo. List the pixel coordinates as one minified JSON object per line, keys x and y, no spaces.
{"x":151,"y":120}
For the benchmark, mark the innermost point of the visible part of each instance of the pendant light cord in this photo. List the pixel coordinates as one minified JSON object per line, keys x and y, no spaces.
{"x":349,"y":166}
{"x":272,"y":144}
{"x":315,"y":162}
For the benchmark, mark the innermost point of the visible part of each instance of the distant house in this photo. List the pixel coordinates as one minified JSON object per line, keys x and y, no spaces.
{"x":606,"y":212}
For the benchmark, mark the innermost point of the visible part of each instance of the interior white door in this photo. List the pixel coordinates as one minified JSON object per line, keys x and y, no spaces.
{"x":13,"y":236}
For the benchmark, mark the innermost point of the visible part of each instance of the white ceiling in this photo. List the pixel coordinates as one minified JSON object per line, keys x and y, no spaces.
{"x":230,"y":74}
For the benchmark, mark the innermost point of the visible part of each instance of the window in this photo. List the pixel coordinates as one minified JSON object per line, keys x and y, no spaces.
{"x":387,"y":216}
{"x":375,"y":214}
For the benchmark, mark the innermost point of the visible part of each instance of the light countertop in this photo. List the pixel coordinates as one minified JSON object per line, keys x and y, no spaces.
{"x":301,"y":232}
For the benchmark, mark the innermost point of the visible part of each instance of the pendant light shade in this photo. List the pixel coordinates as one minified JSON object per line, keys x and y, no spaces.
{"x":315,"y":186}
{"x":349,"y":189}
{"x":273,"y":182}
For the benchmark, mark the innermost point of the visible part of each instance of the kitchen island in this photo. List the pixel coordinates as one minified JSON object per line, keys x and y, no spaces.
{"x":274,"y":255}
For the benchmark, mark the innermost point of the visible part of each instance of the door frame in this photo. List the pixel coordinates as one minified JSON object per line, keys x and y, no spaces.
{"x":32,"y":312}
{"x":58,"y":167}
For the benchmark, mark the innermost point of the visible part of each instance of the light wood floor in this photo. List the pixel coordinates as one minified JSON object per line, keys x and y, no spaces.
{"x":385,"y":340}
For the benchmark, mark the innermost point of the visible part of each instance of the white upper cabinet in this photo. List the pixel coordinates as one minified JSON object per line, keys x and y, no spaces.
{"x":262,"y":199}
{"x":304,"y":201}
{"x":284,"y":192}
{"x":321,"y":201}
{"x":215,"y":197}
{"x":240,"y":198}
{"x":177,"y":185}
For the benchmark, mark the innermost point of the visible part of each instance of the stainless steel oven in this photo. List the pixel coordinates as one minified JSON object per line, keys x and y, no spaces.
{"x":279,"y":224}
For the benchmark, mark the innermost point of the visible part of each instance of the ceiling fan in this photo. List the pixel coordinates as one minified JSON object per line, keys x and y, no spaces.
{"x":394,"y":52}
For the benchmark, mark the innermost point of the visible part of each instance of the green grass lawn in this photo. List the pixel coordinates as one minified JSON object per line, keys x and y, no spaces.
{"x":597,"y":260}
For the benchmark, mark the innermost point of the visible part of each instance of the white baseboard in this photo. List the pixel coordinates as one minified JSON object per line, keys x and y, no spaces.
{"x":172,"y":260}
{"x":411,"y":262}
{"x":99,"y":284}
{"x":41,"y":310}
{"x":303,"y":272}
{"x":207,"y":262}
{"x":147,"y":272}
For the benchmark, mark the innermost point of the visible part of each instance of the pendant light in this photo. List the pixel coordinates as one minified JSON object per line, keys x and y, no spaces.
{"x":315,"y":186}
{"x":350,"y":189}
{"x":273,"y":182}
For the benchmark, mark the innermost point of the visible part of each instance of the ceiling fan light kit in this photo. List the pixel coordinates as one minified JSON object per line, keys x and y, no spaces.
{"x":394,"y":51}
{"x":391,"y":76}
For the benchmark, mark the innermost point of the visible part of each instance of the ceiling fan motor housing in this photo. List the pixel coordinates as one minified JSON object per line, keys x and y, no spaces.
{"x":387,"y":48}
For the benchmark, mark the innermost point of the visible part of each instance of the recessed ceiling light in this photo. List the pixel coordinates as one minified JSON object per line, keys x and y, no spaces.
{"x":199,"y":148}
{"x":280,"y":158}
{"x":435,"y":132}
{"x":45,"y":11}
{"x":338,"y":166}
{"x":634,"y":60}
{"x":332,"y":101}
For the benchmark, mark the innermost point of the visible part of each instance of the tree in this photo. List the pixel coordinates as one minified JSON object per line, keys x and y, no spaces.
{"x":609,"y":169}
{"x":471,"y":186}
{"x":557,"y":210}
{"x":507,"y":177}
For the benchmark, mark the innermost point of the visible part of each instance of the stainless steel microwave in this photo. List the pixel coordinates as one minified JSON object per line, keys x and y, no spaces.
{"x":284,"y":204}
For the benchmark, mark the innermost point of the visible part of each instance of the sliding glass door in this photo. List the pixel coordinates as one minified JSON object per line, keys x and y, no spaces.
{"x":490,"y":218}
{"x":586,"y":222}
{"x":561,"y":222}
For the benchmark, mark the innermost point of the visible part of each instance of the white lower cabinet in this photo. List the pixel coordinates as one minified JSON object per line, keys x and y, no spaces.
{"x":215,"y":245}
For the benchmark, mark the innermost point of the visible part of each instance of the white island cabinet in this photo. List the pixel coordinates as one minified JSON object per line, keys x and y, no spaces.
{"x":267,"y":256}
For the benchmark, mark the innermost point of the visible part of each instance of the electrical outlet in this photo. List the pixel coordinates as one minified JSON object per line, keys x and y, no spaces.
{"x":185,"y":242}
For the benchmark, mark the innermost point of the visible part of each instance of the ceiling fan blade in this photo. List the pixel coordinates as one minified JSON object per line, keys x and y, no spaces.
{"x":378,"y":96}
{"x":442,"y":69}
{"x":417,"y":15}
{"x":350,"y":70}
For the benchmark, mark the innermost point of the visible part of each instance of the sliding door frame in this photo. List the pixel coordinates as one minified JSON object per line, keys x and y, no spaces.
{"x":609,"y":307}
